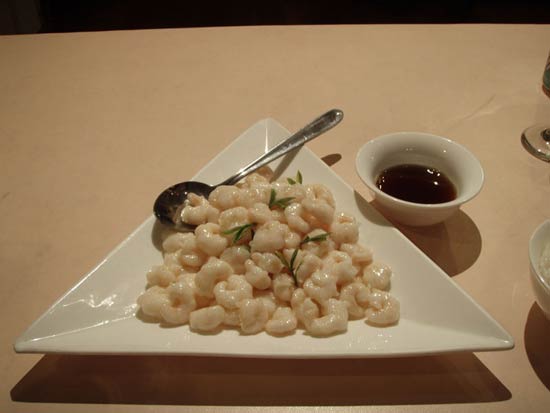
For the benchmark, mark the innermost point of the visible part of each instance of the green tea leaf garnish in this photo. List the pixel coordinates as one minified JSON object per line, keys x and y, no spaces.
{"x":239,"y":231}
{"x":293,"y":258}
{"x":290,"y":265}
{"x":272,"y":197}
{"x":296,"y":180}
{"x":278,"y":203}
{"x":315,"y":238}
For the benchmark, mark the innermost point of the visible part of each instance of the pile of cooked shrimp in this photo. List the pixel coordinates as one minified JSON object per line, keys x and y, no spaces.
{"x":268,"y":256}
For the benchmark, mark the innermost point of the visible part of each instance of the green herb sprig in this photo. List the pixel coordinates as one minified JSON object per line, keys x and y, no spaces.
{"x":239,"y":231}
{"x":278,"y":203}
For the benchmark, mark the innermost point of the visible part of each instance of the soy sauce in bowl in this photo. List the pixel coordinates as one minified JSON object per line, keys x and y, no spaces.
{"x":416,"y":183}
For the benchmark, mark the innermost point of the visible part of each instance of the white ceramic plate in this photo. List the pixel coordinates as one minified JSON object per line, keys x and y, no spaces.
{"x":97,"y":316}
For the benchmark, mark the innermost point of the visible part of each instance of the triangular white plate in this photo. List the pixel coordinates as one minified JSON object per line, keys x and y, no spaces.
{"x":97,"y":316}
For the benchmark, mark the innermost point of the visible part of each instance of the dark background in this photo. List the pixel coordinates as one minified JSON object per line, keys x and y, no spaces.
{"x":46,"y":16}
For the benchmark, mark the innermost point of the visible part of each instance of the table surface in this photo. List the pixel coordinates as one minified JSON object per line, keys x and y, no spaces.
{"x":93,"y":125}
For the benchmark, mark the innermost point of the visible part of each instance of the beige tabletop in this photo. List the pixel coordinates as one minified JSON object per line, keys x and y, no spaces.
{"x":93,"y":125}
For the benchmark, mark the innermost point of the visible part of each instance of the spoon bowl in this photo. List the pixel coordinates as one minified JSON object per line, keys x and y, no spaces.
{"x":170,"y":203}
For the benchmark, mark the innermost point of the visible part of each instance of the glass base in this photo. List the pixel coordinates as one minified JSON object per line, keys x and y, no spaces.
{"x":536,"y":140}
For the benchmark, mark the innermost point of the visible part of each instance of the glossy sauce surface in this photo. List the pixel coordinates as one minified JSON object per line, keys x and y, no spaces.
{"x":416,"y":183}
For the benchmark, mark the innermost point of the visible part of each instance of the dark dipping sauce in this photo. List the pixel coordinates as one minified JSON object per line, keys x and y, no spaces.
{"x":416,"y":183}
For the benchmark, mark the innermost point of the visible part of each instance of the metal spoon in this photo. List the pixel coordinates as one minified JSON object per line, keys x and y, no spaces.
{"x":170,"y":202}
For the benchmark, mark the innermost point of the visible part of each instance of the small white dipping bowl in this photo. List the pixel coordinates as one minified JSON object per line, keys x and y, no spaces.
{"x":454,"y":160}
{"x":541,"y":286}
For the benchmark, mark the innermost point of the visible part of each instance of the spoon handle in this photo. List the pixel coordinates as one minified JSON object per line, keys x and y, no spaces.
{"x":319,"y":126}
